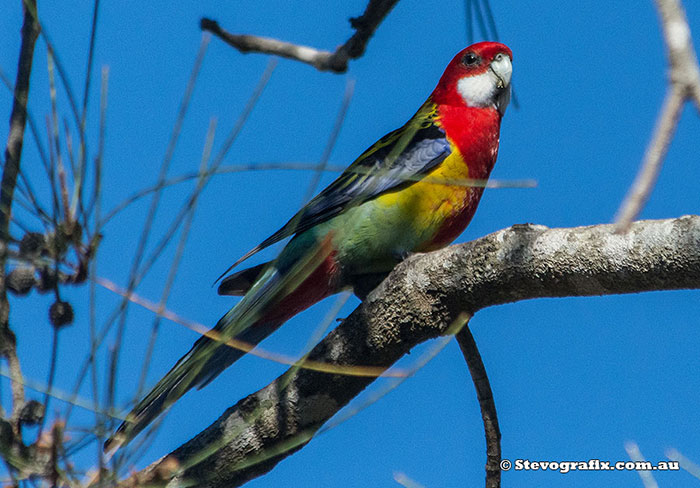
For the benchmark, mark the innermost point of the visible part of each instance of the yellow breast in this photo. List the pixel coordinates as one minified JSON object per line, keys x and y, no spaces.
{"x":436,"y":198}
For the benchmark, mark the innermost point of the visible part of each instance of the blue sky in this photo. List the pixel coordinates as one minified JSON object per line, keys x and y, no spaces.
{"x":573,"y":379}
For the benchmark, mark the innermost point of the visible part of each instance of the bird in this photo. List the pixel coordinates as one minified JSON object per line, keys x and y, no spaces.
{"x":405,"y":194}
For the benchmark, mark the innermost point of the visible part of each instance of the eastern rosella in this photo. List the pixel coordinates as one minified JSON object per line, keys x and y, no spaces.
{"x":402,"y":195}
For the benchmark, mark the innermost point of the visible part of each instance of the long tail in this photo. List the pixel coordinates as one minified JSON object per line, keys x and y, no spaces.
{"x":192,"y":370}
{"x":272,"y":300}
{"x":207,"y":358}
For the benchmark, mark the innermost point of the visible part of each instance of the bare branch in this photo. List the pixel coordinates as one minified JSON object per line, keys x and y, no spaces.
{"x":644,"y":183}
{"x":684,"y":79}
{"x":337,"y":61}
{"x":18,"y":117}
{"x":419,"y":301}
{"x":488,"y":407}
{"x":13,"y":154}
{"x":679,"y":47}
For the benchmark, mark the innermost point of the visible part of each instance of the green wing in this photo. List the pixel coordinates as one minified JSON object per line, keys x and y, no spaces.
{"x":397,"y":159}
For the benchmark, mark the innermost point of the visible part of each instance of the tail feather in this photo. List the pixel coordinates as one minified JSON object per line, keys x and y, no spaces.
{"x":190,"y":371}
{"x":273,"y":298}
{"x":239,"y":283}
{"x":207,"y":358}
{"x":224,"y":357}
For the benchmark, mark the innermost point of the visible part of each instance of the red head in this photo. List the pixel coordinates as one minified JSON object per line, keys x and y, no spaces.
{"x":479,"y":76}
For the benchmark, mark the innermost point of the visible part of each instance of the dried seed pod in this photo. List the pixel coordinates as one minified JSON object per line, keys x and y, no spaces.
{"x":21,"y":280}
{"x":60,"y":314}
{"x":32,"y":413}
{"x":32,"y":245}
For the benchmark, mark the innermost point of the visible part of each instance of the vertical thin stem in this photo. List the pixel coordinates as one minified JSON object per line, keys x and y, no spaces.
{"x":13,"y":153}
{"x":466,"y":342}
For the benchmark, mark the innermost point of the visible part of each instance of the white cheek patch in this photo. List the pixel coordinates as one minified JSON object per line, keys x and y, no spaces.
{"x":478,"y":90}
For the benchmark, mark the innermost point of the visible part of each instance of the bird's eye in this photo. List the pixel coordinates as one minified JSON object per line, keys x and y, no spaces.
{"x":470,"y":59}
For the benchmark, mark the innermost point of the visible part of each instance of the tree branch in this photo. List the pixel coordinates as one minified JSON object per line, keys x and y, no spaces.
{"x":13,"y":153}
{"x":684,"y":80}
{"x":492,"y":432}
{"x":417,"y":302}
{"x":18,"y":117}
{"x":684,"y":70}
{"x":644,"y":183}
{"x":337,"y":61}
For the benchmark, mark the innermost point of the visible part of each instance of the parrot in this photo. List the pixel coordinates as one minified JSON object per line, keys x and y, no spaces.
{"x":401,"y":196}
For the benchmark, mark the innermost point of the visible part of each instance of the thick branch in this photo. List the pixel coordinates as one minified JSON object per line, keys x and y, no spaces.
{"x":418,"y":301}
{"x":337,"y":61}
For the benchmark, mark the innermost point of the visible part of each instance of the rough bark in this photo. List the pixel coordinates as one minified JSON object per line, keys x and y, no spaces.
{"x":419,"y":301}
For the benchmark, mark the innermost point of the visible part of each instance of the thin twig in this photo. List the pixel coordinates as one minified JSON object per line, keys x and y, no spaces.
{"x":177,"y":220}
{"x":53,"y":362}
{"x":336,"y":61}
{"x":57,"y":170}
{"x":679,"y":47}
{"x":643,"y":185}
{"x":247,"y":347}
{"x":60,"y":395}
{"x":153,"y":208}
{"x":204,"y":178}
{"x":96,"y":205}
{"x":175,"y":264}
{"x":335,"y":132}
{"x":487,"y":27}
{"x":78,"y":207}
{"x":685,"y":463}
{"x":636,"y":455}
{"x":466,"y":342}
{"x":468,"y":10}
{"x":91,"y":55}
{"x":684,"y":81}
{"x":294,"y":166}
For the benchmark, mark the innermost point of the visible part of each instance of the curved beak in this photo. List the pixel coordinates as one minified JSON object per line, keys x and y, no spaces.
{"x":502,"y":68}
